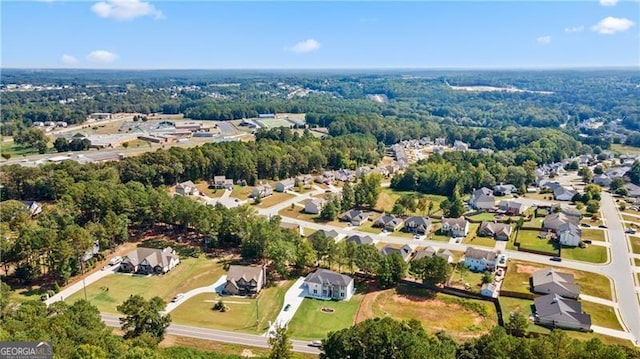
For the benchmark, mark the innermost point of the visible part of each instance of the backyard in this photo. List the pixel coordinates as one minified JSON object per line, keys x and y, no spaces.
{"x":529,"y":239}
{"x":243,"y":312}
{"x":311,"y":322}
{"x":519,"y":272}
{"x":473,"y":279}
{"x":111,"y":291}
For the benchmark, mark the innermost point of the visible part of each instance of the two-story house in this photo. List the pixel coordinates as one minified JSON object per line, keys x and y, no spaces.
{"x":328,"y":285}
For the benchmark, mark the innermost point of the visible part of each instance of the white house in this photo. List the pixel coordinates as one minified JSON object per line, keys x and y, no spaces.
{"x":150,"y":260}
{"x":455,"y":227}
{"x":262,"y":191}
{"x":564,"y":193}
{"x":480,"y":260}
{"x":482,"y":199}
{"x":313,"y":206}
{"x":327,"y":285}
{"x":569,"y":234}
{"x":187,"y":188}
{"x":285,"y":185}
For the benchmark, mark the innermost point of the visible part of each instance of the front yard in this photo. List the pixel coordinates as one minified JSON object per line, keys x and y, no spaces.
{"x":602,"y":315}
{"x":274,"y":199}
{"x":593,"y":234}
{"x":529,"y":239}
{"x":203,"y":187}
{"x":311,"y":322}
{"x":191,"y":273}
{"x":244,"y":315}
{"x":593,"y":254}
{"x":241,"y":192}
{"x":519,"y":272}
{"x":635,"y":244}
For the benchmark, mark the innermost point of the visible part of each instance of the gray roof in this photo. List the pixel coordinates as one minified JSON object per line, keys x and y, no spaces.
{"x":495,"y":229}
{"x":424,"y":252}
{"x":482,"y":191}
{"x":417,"y":222}
{"x":570,"y":227}
{"x":246,"y":272}
{"x":351,"y":214}
{"x":559,"y":191}
{"x":324,"y":276}
{"x":153,"y":255}
{"x":387,"y":219}
{"x":550,"y":275}
{"x":553,"y":304}
{"x":556,"y":220}
{"x":329,"y":234}
{"x":478,"y":253}
{"x":459,"y":222}
{"x":187,"y":184}
{"x":357,"y":239}
{"x":404,"y":251}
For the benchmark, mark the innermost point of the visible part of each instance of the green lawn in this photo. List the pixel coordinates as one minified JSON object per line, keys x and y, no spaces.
{"x":636,"y":262}
{"x":475,"y":240}
{"x":519,"y":272}
{"x":632,"y":219}
{"x":529,"y":239}
{"x":602,"y":315}
{"x":461,"y":318}
{"x":473,"y":279}
{"x":16,"y":150}
{"x":241,"y":192}
{"x":203,"y":187}
{"x":402,"y":234}
{"x":484,"y":216}
{"x":191,"y":273}
{"x":635,"y":244}
{"x":622,"y":149}
{"x":593,"y":234}
{"x":310,"y":322}
{"x":244,"y":315}
{"x":593,"y":254}
{"x":388,"y":197}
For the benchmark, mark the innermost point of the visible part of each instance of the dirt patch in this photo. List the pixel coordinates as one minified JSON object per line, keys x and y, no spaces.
{"x":365,"y":311}
{"x":247,"y":353}
{"x":168,"y":341}
{"x":525,"y":269}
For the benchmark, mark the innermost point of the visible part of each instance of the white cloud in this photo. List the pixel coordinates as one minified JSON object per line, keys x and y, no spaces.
{"x":125,"y":9}
{"x":306,"y":46}
{"x":102,"y":56}
{"x":608,"y":2}
{"x":610,"y":25}
{"x":68,"y":60}
{"x":544,"y":40}
{"x":574,"y":29}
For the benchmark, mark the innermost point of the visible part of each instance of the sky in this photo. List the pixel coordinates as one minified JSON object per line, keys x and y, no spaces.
{"x":139,"y":34}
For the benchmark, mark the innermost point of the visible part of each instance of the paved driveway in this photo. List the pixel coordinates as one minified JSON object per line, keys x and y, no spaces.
{"x":293,"y":298}
{"x":78,"y":286}
{"x":213,"y":288}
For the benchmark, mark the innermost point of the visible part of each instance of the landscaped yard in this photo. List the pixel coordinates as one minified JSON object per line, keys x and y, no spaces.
{"x":459,"y":317}
{"x":529,"y":239}
{"x":602,"y":315}
{"x":519,"y":272}
{"x":243,"y":313}
{"x":635,"y":244}
{"x":629,"y":218}
{"x":203,"y":187}
{"x":310,"y":322}
{"x":475,"y":240}
{"x":593,"y":254}
{"x":274,"y":199}
{"x":593,"y":234}
{"x":241,"y":192}
{"x":298,"y":213}
{"x":191,"y":273}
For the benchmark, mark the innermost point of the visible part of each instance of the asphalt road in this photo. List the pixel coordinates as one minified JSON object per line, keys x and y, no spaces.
{"x":301,"y":346}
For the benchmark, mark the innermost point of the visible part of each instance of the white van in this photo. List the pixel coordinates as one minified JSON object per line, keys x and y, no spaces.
{"x":115,"y":260}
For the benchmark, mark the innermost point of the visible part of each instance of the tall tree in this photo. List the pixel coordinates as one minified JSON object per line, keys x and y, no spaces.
{"x":432,"y":270}
{"x":143,"y":317}
{"x":280,"y":343}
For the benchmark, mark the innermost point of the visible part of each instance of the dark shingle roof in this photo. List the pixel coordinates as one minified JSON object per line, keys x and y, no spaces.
{"x":326,"y":276}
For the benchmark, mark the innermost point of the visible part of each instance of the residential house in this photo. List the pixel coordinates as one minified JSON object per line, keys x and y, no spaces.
{"x":313,"y":206}
{"x":404,"y":251}
{"x":327,"y":285}
{"x":149,"y":260}
{"x":34,"y":207}
{"x":566,"y":210}
{"x":361,"y":171}
{"x":295,"y":228}
{"x":285,"y":185}
{"x":354,"y":216}
{"x":333,"y":234}
{"x":326,"y":177}
{"x":558,"y":312}
{"x":480,"y":260}
{"x":417,"y":225}
{"x":499,"y":231}
{"x":504,"y":189}
{"x":548,"y":280}
{"x":564,"y":193}
{"x":358,"y":239}
{"x":554,"y":221}
{"x":446,"y":255}
{"x":91,"y":252}
{"x":262,"y":191}
{"x":187,"y":188}
{"x":244,"y":280}
{"x":569,"y":234}
{"x":455,"y":227}
{"x":424,"y":252}
{"x":222,"y":182}
{"x":303,"y":180}
{"x":633,"y":190}
{"x":344,"y":175}
{"x":482,"y":199}
{"x":513,"y":207}
{"x":460,"y":146}
{"x":602,"y":180}
{"x":388,"y":222}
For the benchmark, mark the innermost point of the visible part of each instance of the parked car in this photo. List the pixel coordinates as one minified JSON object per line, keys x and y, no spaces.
{"x":115,"y":260}
{"x":555,"y":259}
{"x":177,"y":298}
{"x":286,"y":307}
{"x":585,"y":224}
{"x":603,"y":226}
{"x":315,"y":344}
{"x":587,"y":241}
{"x":630,"y":230}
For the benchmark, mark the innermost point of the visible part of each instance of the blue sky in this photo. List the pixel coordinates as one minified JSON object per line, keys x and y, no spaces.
{"x":209,"y":35}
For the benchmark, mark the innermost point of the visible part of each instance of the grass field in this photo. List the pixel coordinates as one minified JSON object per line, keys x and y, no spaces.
{"x":203,"y":187}
{"x":602,"y":315}
{"x":459,"y":317}
{"x":243,"y":313}
{"x":274,"y":122}
{"x":635,"y":244}
{"x":622,"y":149}
{"x":593,"y":254}
{"x":242,"y":192}
{"x":529,"y":239}
{"x":629,"y":218}
{"x":274,"y":199}
{"x":388,"y":197}
{"x":475,"y":240}
{"x":191,"y":273}
{"x":484,"y":216}
{"x":298,"y":213}
{"x":16,"y":150}
{"x":593,"y":234}
{"x":310,"y":322}
{"x":519,"y":272}
{"x":170,"y":343}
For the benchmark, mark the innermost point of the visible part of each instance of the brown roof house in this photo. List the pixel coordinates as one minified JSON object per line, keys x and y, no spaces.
{"x":244,"y":280}
{"x":499,"y":231}
{"x":149,"y":260}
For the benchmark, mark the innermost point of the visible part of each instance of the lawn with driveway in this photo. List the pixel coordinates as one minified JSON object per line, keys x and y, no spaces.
{"x":311,"y":322}
{"x":246,"y":315}
{"x":519,"y":272}
{"x":529,"y":239}
{"x":274,"y":199}
{"x":111,"y":291}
